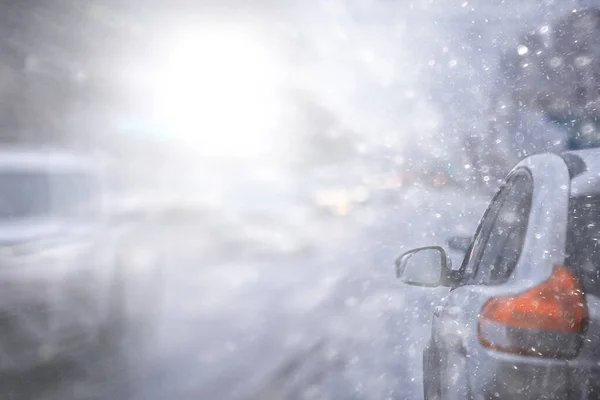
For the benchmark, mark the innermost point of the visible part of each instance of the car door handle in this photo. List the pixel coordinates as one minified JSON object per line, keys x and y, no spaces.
{"x":437,"y":311}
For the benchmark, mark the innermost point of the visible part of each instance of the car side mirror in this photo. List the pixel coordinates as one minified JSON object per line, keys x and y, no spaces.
{"x":459,"y":243}
{"x":425,"y":266}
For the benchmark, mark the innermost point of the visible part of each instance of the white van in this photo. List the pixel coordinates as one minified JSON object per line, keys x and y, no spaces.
{"x":69,"y":279}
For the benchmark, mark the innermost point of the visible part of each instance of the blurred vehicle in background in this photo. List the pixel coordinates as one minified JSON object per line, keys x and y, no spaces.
{"x":438,"y":176}
{"x":70,"y":281}
{"x":386,"y":188}
{"x":335,"y":190}
{"x":341,"y":201}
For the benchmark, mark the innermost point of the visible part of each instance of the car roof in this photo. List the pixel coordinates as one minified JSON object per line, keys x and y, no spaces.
{"x":584,"y":166}
{"x":48,"y":159}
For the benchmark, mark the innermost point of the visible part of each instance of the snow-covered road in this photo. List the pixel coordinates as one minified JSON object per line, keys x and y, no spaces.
{"x":329,"y":324}
{"x":333,"y":324}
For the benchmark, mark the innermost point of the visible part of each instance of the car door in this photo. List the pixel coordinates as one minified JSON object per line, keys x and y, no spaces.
{"x":501,"y":233}
{"x":519,"y":239}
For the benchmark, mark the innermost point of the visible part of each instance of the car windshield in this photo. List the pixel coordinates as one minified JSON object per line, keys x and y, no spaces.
{"x":32,"y":194}
{"x":583,"y":240}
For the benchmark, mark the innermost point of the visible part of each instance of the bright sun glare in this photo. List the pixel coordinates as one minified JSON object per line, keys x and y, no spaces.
{"x":218,"y":91}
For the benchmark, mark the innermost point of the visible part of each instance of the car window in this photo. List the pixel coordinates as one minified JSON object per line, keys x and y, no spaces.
{"x":28,"y":194}
{"x":23,"y":195}
{"x":500,"y":237}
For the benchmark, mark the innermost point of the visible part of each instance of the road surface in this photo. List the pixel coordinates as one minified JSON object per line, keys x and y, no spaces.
{"x":327,"y":324}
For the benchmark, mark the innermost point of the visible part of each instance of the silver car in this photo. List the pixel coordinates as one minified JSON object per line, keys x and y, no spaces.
{"x":69,"y":278}
{"x":522,"y":317}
